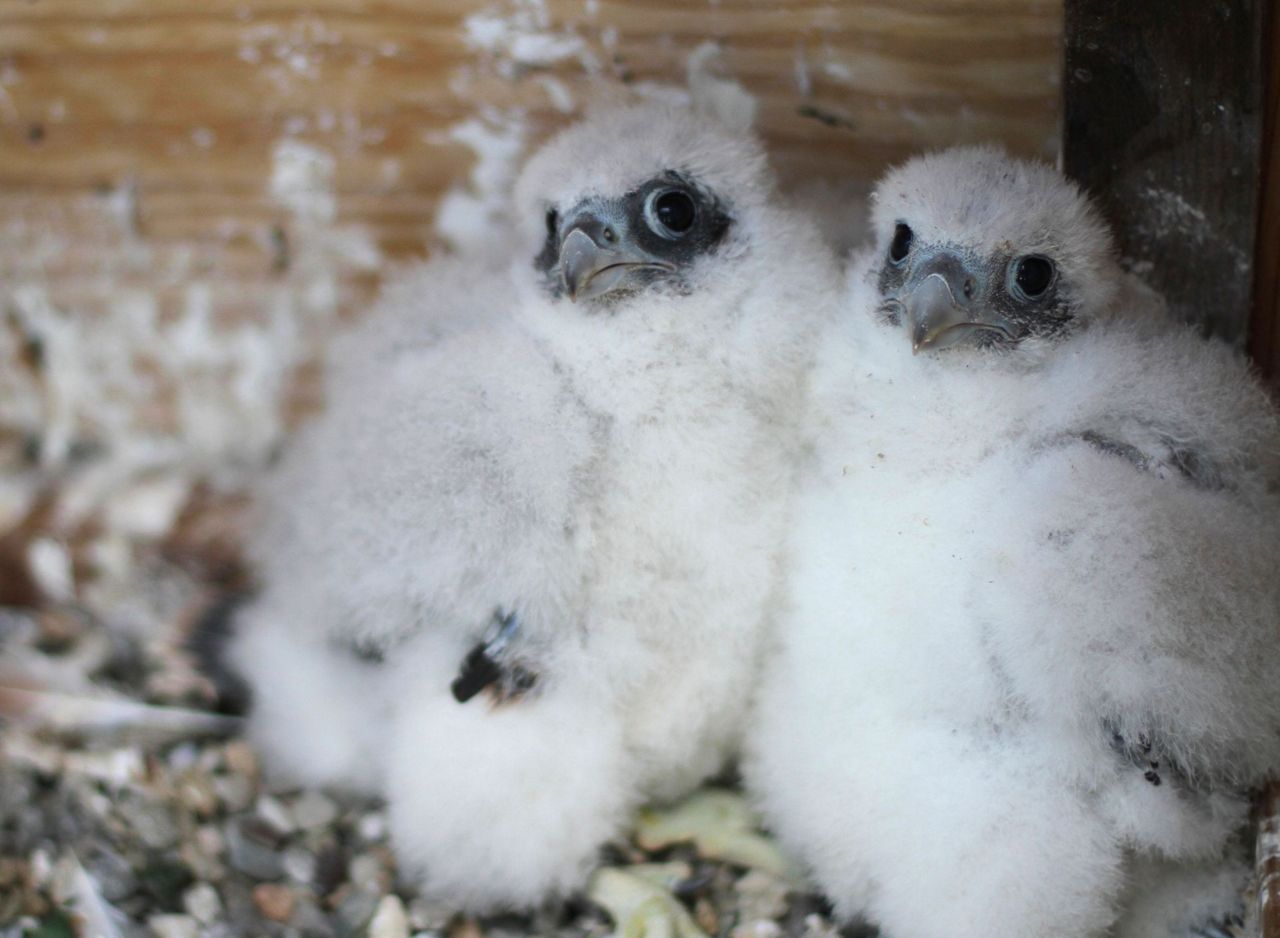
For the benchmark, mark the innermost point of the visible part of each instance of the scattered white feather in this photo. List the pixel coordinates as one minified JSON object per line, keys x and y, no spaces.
{"x":722,"y":98}
{"x":50,"y":566}
{"x":302,"y":180}
{"x":471,"y":216}
{"x":97,"y":917}
{"x":105,"y":717}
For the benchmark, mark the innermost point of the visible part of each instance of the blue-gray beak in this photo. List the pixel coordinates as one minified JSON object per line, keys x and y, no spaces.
{"x":944,"y":308}
{"x":596,"y":257}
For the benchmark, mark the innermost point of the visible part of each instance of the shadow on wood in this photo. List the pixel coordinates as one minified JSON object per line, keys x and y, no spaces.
{"x":1163,"y":123}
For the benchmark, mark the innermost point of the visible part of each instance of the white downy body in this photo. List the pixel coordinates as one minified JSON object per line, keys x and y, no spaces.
{"x":979,"y":597}
{"x":614,"y":474}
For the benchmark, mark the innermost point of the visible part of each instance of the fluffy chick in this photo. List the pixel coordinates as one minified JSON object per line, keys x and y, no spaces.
{"x":1031,"y":626}
{"x":515,"y":577}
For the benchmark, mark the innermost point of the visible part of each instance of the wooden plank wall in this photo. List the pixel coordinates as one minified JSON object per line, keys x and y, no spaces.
{"x":253,"y":164}
{"x":188,"y":100}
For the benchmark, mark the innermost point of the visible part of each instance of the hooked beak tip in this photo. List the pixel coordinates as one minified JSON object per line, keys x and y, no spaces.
{"x":581,"y":261}
{"x":933,"y":314}
{"x":589,"y":269}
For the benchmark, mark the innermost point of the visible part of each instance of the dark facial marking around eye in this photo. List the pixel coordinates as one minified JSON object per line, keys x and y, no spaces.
{"x":889,"y":282}
{"x":900,"y":246}
{"x":1030,"y":295}
{"x":1017,"y":296}
{"x":610,"y":245}
{"x":675,"y":219}
{"x":550,"y":253}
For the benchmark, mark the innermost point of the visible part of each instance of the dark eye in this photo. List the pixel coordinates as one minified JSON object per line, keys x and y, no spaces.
{"x":1033,"y":275}
{"x":553,"y":222}
{"x":900,"y":246}
{"x":671,"y":212}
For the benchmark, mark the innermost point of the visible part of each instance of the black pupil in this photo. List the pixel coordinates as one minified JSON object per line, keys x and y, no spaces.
{"x":553,"y":221}
{"x":675,"y":210}
{"x":1034,"y":274}
{"x":901,"y":244}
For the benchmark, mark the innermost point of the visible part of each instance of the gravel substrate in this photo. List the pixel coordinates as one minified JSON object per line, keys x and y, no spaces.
{"x":128,"y":806}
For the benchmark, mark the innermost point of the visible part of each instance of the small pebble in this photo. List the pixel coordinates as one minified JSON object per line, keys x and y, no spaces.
{"x":372,"y":827}
{"x":704,"y":913}
{"x":300,"y":865}
{"x":202,"y":903}
{"x":113,"y":874}
{"x":183,"y":756}
{"x":276,"y":815}
{"x":241,"y":759}
{"x":40,"y":865}
{"x":259,"y":831}
{"x":203,"y":865}
{"x":210,"y":840}
{"x":356,"y":909}
{"x":761,"y":896}
{"x":237,"y":900}
{"x":389,"y":921}
{"x":234,"y":791}
{"x":164,"y":878}
{"x":274,"y":901}
{"x":210,"y":760}
{"x":466,"y":928}
{"x":429,"y":916}
{"x":815,"y":926}
{"x":151,"y":821}
{"x":313,"y":810}
{"x":63,"y":879}
{"x":173,"y":926}
{"x":366,"y":873}
{"x":331,"y":870}
{"x":310,"y":920}
{"x":254,"y":859}
{"x":221,"y":930}
{"x":196,"y":793}
{"x":760,"y":928}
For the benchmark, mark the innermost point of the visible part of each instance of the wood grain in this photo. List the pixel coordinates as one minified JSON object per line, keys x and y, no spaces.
{"x":186,"y":98}
{"x":138,"y":138}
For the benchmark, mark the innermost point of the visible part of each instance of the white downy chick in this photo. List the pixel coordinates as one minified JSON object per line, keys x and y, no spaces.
{"x":1030,"y":635}
{"x":516,"y":576}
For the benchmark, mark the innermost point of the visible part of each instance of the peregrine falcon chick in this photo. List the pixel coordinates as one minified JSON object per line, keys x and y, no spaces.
{"x":1030,"y":637}
{"x":515,"y":578}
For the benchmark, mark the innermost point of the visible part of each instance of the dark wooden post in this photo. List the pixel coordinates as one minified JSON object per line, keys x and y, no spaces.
{"x":1264,"y":340}
{"x":1268,"y":852}
{"x":1163,"y":107}
{"x":1172,"y":119}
